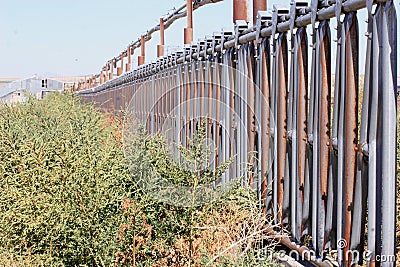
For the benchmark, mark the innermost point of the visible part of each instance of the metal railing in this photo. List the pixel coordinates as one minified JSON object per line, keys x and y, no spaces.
{"x":319,"y":149}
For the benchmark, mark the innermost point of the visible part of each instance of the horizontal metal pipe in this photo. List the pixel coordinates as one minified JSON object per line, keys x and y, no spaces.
{"x":178,"y":13}
{"x":247,"y":36}
{"x":323,"y":14}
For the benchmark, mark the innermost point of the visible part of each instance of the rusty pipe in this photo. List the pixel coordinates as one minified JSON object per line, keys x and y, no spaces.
{"x":281,"y":123}
{"x":111,"y":74}
{"x":142,"y":56}
{"x":121,"y":68}
{"x":258,"y":5}
{"x":160,"y":47}
{"x":102,"y":76}
{"x":128,"y":54}
{"x":106,"y":77}
{"x":189,"y":8}
{"x":351,"y":124}
{"x":188,"y":31}
{"x":240,"y":10}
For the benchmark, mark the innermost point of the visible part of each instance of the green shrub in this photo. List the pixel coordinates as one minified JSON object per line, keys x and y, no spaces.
{"x":68,"y":198}
{"x":191,"y":226}
{"x":62,"y":181}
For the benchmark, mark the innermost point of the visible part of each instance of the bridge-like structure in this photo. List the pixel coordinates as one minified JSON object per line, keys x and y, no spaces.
{"x":321,"y":147}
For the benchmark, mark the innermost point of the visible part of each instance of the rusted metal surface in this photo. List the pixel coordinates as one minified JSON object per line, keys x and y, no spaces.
{"x":240,"y":10}
{"x":316,"y":168}
{"x":350,"y":121}
{"x":189,"y":14}
{"x":121,"y":68}
{"x":188,"y":31}
{"x":264,"y":86}
{"x":258,"y":5}
{"x":111,"y":69}
{"x":142,"y":57}
{"x":250,"y":105}
{"x":281,"y":111}
{"x":128,"y":64}
{"x":160,"y":47}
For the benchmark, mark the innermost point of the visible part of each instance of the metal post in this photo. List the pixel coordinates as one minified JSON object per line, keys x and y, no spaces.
{"x":102,"y":76}
{"x":120,"y":69}
{"x":258,"y":5}
{"x":128,"y":64}
{"x":106,"y":77}
{"x":141,"y":58}
{"x":111,"y":74}
{"x":240,"y":10}
{"x":160,"y":47}
{"x":188,"y":31}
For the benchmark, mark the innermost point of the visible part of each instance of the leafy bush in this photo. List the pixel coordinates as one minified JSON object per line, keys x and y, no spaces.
{"x":62,"y":179}
{"x":68,"y":198}
{"x":222,"y":232}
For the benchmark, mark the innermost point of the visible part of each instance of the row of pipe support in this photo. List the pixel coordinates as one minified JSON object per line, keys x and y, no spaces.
{"x":240,"y":12}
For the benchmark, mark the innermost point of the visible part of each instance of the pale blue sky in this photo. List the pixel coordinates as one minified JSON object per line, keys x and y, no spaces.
{"x":76,"y":37}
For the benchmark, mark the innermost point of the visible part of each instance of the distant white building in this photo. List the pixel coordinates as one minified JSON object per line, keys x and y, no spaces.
{"x":38,"y":87}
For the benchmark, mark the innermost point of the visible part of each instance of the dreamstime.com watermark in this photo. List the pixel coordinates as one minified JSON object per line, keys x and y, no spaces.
{"x":352,"y":256}
{"x":367,"y":256}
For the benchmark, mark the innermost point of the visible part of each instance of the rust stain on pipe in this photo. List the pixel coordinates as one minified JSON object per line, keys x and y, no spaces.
{"x":281,"y":128}
{"x":265,"y":127}
{"x":251,"y":131}
{"x":324,"y":119}
{"x":351,"y":122}
{"x":302,"y":117}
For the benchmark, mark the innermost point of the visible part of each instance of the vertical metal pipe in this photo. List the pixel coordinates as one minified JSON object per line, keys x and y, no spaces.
{"x":250,"y":106}
{"x":111,"y":74}
{"x":217,"y":82}
{"x":258,"y":5}
{"x":315,"y":88}
{"x":121,"y":68}
{"x":160,"y":47}
{"x":189,"y":8}
{"x":324,"y":130}
{"x":281,"y":120}
{"x":102,"y":76}
{"x":188,"y":31}
{"x":240,"y":10}
{"x":128,"y":54}
{"x":141,"y":58}
{"x":388,"y":131}
{"x":266,"y":123}
{"x":232,"y":146}
{"x":301,"y":124}
{"x":350,"y":122}
{"x":106,"y":74}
